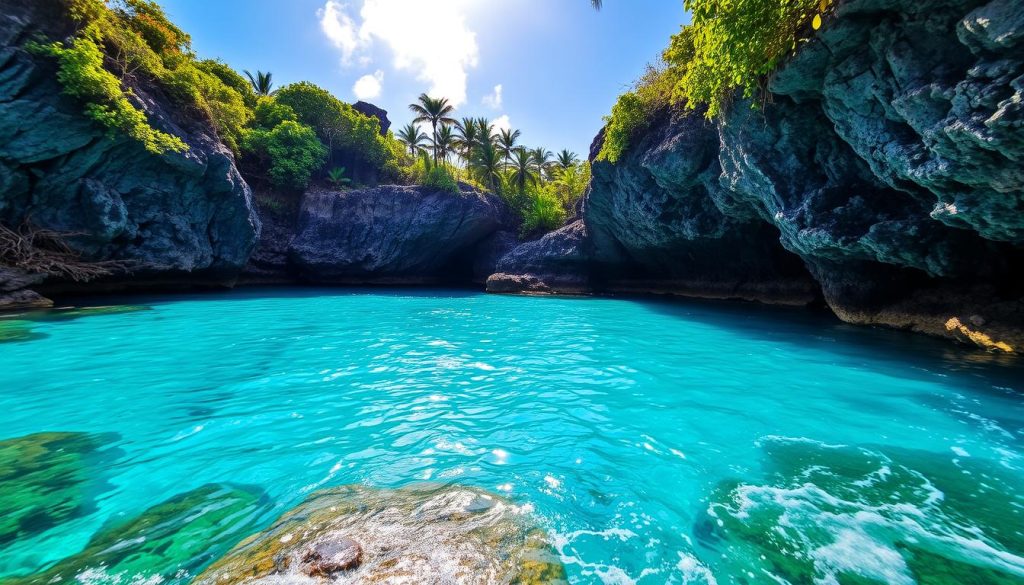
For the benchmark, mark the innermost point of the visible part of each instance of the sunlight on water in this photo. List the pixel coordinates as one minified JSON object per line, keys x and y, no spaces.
{"x":651,"y":442}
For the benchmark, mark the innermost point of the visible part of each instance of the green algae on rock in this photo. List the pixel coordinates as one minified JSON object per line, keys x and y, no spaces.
{"x":167,"y":542}
{"x":860,"y":515}
{"x":415,"y":534}
{"x":45,"y":477}
{"x":16,"y":330}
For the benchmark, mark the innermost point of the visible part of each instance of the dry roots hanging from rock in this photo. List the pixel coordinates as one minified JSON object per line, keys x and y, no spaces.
{"x":46,"y":251}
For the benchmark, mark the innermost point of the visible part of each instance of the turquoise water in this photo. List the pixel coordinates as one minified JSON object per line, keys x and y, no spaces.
{"x":655,"y":442}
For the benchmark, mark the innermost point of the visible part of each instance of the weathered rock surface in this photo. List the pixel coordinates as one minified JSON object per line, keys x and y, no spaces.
{"x":557,"y":262}
{"x":177,"y":218}
{"x":392,"y":234}
{"x":428,"y":534}
{"x":884,"y":176}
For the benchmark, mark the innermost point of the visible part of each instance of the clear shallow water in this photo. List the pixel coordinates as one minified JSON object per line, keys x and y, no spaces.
{"x":655,"y":442}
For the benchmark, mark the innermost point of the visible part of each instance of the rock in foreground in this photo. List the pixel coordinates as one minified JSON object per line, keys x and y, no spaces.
{"x":417,"y":534}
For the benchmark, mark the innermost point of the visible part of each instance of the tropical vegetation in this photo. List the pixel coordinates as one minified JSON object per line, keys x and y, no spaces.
{"x":541,"y":187}
{"x":729,"y":49}
{"x":287,"y":137}
{"x":284,"y":137}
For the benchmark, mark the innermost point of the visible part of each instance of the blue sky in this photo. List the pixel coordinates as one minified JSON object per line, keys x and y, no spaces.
{"x":559,"y":63}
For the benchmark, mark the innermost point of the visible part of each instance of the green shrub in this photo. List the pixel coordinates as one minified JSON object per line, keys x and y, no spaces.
{"x":339,"y":125}
{"x":543,"y":212}
{"x":634,"y":110}
{"x":571,"y":183}
{"x":135,"y":38}
{"x":81,"y":73}
{"x":269,"y":113}
{"x":736,"y":44}
{"x":336,"y":177}
{"x":440,"y":177}
{"x":292,"y":151}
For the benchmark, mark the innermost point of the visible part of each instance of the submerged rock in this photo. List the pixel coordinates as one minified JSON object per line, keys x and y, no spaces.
{"x":416,"y":534}
{"x":834,"y":514}
{"x":393,"y":234}
{"x":167,"y":542}
{"x":47,"y":479}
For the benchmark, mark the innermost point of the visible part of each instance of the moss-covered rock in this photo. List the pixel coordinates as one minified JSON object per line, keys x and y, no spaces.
{"x":444,"y":534}
{"x":859,"y":515}
{"x":46,"y":479}
{"x":166,"y":543}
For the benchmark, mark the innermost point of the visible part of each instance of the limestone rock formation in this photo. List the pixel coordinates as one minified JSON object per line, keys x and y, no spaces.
{"x":393,"y":234}
{"x":176,"y":219}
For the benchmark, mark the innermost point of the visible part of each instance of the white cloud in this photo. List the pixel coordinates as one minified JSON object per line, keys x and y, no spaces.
{"x":428,"y":39}
{"x":493,"y":100}
{"x":339,"y":29}
{"x":368,"y":86}
{"x":501,"y":122}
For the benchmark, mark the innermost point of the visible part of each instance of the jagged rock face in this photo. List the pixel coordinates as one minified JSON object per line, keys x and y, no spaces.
{"x":393,"y":234}
{"x":179,"y":218}
{"x":660,"y":220}
{"x":929,"y":94}
{"x":888,"y":160}
{"x":557,"y":262}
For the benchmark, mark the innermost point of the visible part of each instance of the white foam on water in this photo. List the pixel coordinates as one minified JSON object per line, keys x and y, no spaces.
{"x":863,"y":536}
{"x":693,"y":571}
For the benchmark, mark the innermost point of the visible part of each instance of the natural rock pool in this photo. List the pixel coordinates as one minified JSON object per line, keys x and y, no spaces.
{"x":633,"y":440}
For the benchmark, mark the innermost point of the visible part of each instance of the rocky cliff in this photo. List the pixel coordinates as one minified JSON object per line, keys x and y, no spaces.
{"x":175,"y":219}
{"x":387,"y":234}
{"x":882,"y":175}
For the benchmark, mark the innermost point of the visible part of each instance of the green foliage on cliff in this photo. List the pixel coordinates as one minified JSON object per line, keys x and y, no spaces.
{"x":335,"y":122}
{"x":543,"y":211}
{"x":125,"y":44}
{"x":730,"y":46}
{"x":83,"y":76}
{"x":737,"y":43}
{"x":635,"y":109}
{"x":290,"y":150}
{"x":129,"y":39}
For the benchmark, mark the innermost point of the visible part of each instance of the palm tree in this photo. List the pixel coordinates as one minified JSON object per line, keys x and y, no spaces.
{"x":468,"y":137}
{"x":596,"y":4}
{"x":565,"y":159}
{"x":411,"y":136}
{"x":444,"y":143}
{"x":507,"y":142}
{"x":486,"y":130}
{"x":486,"y":163}
{"x":433,"y":110}
{"x":541,"y":160}
{"x":522,"y":168}
{"x":262,"y":83}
